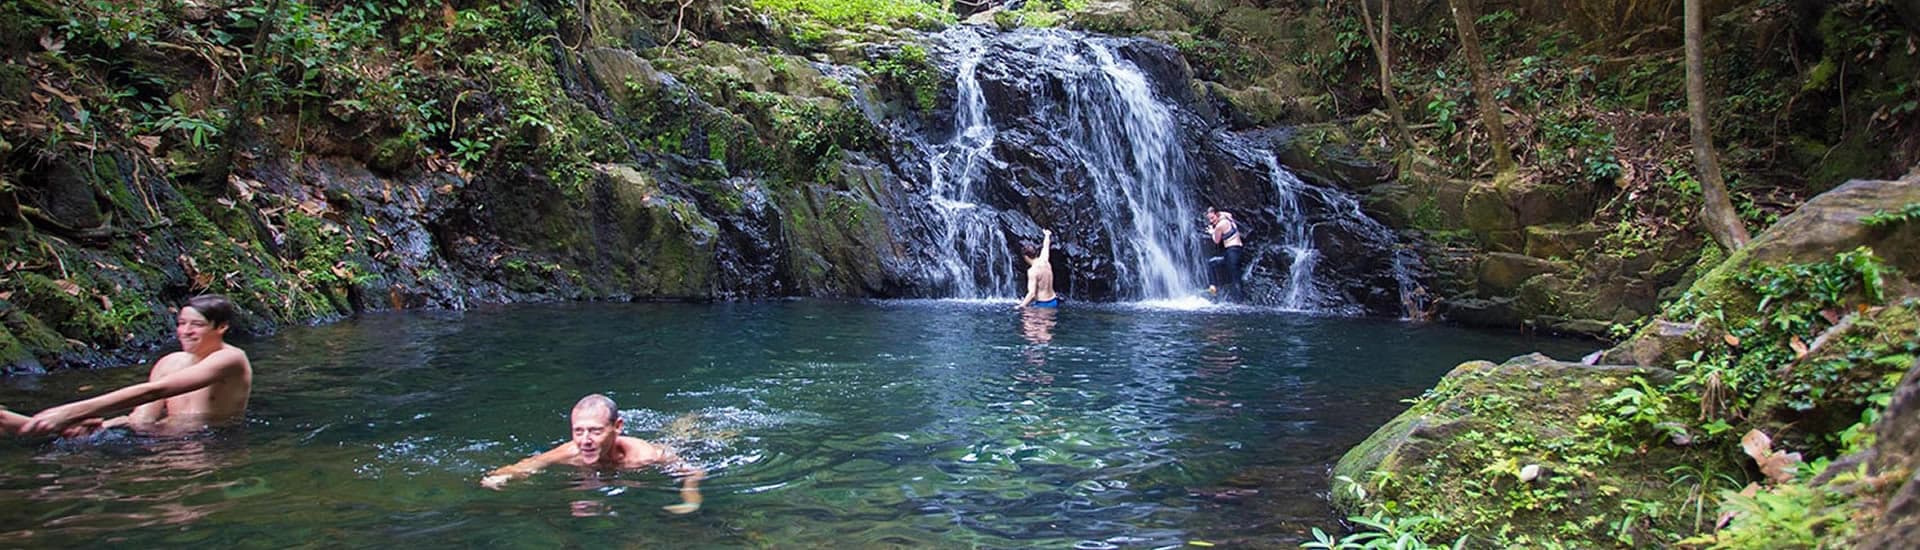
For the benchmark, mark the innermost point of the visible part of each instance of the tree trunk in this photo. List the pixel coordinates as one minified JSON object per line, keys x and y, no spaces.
{"x":1463,"y":19}
{"x":1717,"y":211}
{"x":1384,"y":55}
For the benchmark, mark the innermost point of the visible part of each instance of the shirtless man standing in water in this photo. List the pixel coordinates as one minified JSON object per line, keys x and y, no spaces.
{"x":598,"y":445}
{"x":1039,"y":274}
{"x":205,"y":384}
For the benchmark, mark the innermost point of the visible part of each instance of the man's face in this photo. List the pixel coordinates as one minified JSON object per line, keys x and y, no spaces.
{"x":192,"y":328}
{"x":593,"y":434}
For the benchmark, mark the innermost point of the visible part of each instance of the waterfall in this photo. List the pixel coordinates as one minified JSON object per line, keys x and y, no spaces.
{"x":1101,"y":140}
{"x":979,"y":264}
{"x":1298,"y":294}
{"x":1133,"y":157}
{"x":1123,"y":145}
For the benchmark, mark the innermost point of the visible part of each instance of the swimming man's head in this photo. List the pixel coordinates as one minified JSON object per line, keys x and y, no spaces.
{"x":596,"y":428}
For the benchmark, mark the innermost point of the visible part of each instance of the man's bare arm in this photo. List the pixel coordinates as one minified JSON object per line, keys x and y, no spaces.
{"x":11,"y":422}
{"x":1046,"y":245}
{"x":690,"y":477}
{"x":1033,"y":290}
{"x":218,"y":365}
{"x":524,"y":468}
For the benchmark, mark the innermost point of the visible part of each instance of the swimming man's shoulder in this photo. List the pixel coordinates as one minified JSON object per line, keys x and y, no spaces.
{"x":641,"y":452}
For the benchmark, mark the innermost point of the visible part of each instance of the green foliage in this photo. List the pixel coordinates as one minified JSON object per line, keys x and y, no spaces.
{"x":1885,"y":219}
{"x":1791,"y":515}
{"x":1220,"y":61}
{"x":1442,"y":111}
{"x":1383,"y":533}
{"x":846,"y":13}
{"x":811,"y":21}
{"x":909,"y":69}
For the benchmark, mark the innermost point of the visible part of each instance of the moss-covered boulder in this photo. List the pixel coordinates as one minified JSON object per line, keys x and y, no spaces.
{"x":1519,"y":453}
{"x":1831,"y":223}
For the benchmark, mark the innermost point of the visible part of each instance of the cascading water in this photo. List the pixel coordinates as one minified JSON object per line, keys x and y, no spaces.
{"x":1298,"y":294}
{"x":1132,"y":155}
{"x":979,"y":263}
{"x":1101,"y":140}
{"x":1121,"y":140}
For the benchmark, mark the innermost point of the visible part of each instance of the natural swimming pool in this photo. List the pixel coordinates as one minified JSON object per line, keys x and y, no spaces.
{"x":821,"y":424}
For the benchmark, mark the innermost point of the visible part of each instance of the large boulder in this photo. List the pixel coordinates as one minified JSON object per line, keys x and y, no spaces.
{"x":1826,"y":225}
{"x":1509,"y":449}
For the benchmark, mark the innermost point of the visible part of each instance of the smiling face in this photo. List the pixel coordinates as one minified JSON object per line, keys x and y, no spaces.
{"x":596,"y":431}
{"x":195,"y":331}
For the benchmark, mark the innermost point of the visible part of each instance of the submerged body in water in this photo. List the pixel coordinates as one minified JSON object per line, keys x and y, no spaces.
{"x":206,"y":384}
{"x":598,"y":445}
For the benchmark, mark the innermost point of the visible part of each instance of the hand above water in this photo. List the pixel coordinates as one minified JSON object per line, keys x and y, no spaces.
{"x":51,"y":421}
{"x":494,"y":481}
{"x":682,"y":508}
{"x":83,"y":428}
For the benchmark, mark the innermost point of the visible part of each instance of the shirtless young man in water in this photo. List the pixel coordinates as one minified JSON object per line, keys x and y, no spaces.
{"x":203,"y":385}
{"x":598,"y":445}
{"x":1039,"y":274}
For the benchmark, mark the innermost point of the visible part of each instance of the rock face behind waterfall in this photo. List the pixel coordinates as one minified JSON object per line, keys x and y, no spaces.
{"x":1123,"y":179}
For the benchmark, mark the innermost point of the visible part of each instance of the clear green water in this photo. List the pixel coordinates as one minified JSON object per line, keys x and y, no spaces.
{"x":822,"y":424}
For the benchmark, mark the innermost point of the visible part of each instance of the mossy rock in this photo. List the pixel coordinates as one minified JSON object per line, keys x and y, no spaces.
{"x":1331,"y":154}
{"x":1502,"y":273}
{"x":1561,"y":240}
{"x":1503,"y":454}
{"x":622,"y":74}
{"x":1128,"y":16}
{"x":1823,"y":227}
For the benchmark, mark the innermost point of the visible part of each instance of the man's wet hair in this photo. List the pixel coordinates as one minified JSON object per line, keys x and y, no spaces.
{"x":599,"y":401}
{"x":216,"y":308}
{"x":1030,"y":250}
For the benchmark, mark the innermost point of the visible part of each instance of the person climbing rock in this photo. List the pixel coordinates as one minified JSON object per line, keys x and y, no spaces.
{"x":1226,"y":270}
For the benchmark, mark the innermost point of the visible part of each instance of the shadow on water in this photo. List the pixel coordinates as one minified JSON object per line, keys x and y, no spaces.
{"x":820,"y":424}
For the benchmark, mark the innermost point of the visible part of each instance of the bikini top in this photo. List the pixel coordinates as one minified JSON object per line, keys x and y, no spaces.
{"x":1233,"y":230}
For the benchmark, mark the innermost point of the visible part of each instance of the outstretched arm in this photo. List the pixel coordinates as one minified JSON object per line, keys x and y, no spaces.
{"x":200,"y":375}
{"x":690,"y":477}
{"x":1046,"y":245}
{"x":524,"y":468}
{"x":11,"y":422}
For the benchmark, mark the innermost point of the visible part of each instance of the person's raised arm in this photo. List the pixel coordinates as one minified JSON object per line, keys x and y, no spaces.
{"x":1046,"y":245}
{"x":529,"y":466}
{"x":218,"y":365}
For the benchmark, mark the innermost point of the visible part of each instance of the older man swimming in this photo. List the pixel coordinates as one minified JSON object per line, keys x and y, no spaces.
{"x":598,"y":445}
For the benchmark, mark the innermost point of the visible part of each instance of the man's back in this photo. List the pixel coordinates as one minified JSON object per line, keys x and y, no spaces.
{"x":1042,"y":276}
